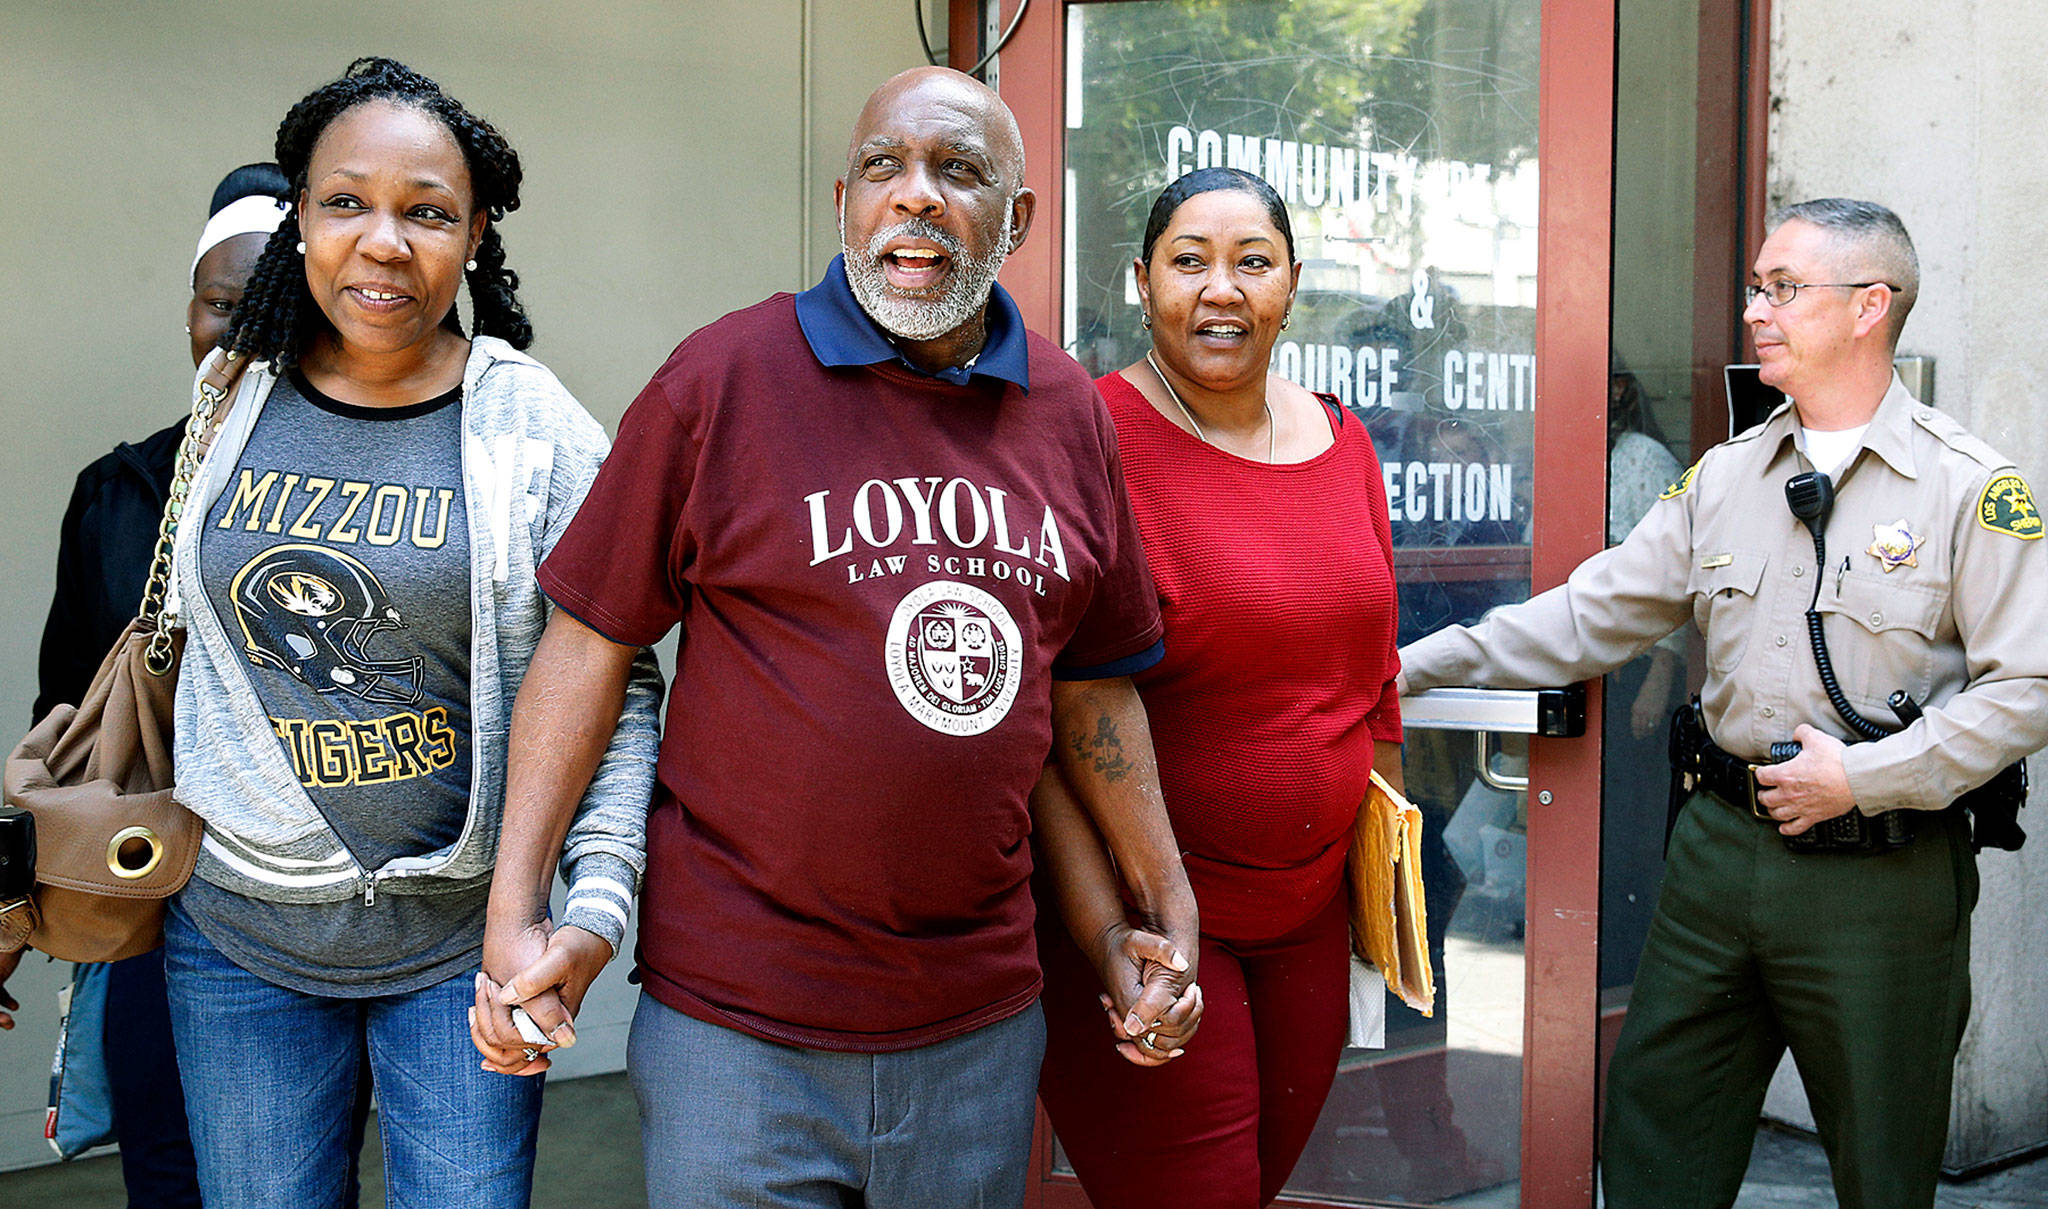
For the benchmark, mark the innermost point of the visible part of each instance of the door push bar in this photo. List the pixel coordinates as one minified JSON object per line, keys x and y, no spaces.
{"x":1486,"y":712}
{"x":1552,"y":712}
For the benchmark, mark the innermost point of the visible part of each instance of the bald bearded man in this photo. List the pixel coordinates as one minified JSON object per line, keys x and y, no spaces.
{"x":891,"y":526}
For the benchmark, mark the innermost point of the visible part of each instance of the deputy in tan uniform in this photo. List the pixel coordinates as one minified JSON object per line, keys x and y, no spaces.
{"x":1933,"y":583}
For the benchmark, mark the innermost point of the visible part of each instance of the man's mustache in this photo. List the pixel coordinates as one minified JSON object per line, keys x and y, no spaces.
{"x":916,"y":228}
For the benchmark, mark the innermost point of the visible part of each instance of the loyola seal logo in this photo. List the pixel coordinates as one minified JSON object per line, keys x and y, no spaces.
{"x":953,"y":654}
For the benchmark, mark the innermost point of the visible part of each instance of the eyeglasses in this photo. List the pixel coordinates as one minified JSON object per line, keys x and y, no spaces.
{"x":1781,"y":293}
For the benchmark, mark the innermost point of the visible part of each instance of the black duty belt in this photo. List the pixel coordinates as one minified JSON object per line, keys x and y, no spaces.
{"x":1731,"y":779}
{"x":1697,"y":763}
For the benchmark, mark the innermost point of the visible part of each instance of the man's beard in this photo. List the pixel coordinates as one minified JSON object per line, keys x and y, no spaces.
{"x":964,"y":291}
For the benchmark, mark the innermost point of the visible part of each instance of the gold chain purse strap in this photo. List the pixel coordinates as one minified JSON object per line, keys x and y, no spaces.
{"x":209,"y":407}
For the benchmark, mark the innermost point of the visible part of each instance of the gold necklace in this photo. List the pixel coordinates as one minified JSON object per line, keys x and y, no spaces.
{"x":1201,"y":436}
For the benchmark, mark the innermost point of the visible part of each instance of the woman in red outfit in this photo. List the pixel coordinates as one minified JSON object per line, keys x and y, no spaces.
{"x":1265,"y":524}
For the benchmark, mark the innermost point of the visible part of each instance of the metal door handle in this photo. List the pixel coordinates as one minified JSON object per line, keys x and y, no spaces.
{"x":1510,"y":784}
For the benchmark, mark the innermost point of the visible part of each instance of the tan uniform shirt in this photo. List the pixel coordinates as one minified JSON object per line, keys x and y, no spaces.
{"x":1960,"y":620}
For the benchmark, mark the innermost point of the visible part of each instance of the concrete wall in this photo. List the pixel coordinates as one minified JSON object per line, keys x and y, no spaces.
{"x":679,"y":163}
{"x":1935,"y":111}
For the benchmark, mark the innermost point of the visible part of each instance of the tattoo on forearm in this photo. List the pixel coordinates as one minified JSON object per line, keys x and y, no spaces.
{"x":1104,"y":750}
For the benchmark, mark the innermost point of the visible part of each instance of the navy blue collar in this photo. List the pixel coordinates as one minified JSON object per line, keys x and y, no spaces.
{"x":841,"y":333}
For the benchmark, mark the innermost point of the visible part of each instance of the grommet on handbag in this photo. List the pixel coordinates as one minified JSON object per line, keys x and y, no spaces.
{"x":110,"y":841}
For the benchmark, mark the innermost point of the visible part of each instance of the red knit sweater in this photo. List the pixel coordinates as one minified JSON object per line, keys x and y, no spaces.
{"x":1277,"y":586}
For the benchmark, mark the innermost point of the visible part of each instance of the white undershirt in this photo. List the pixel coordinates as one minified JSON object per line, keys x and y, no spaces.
{"x":1830,"y":451}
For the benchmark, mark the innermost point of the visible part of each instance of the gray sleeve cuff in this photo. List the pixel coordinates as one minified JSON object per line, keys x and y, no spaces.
{"x":601,"y":891}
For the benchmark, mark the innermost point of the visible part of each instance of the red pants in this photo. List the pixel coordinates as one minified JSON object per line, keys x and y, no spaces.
{"x":1221,"y":1126}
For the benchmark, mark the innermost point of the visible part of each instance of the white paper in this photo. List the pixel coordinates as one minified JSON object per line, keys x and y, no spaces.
{"x":1368,"y":1007}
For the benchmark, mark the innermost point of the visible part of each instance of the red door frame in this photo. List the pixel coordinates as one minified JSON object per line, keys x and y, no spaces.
{"x":1576,"y":143}
{"x":1574,"y":298}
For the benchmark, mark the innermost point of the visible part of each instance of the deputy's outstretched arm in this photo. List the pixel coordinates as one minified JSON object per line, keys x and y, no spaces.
{"x":1611,"y":609}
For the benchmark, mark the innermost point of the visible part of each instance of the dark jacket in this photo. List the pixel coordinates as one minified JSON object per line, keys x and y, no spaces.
{"x":103,"y":555}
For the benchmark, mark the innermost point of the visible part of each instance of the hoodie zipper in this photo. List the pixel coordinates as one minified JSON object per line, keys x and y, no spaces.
{"x":370,"y":877}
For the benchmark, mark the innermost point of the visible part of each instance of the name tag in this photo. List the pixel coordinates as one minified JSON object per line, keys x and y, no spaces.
{"x":1716,"y":560}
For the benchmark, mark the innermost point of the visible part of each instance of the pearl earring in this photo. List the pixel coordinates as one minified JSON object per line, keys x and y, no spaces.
{"x":302,"y":247}
{"x":188,"y":329}
{"x":469,"y":265}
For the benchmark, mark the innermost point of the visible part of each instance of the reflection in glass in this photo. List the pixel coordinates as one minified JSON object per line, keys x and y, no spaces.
{"x":1640,"y":698}
{"x":1657,"y":218}
{"x":1402,"y":134}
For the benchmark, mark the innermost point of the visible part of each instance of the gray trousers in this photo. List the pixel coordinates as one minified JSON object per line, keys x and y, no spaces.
{"x":730,"y":1120}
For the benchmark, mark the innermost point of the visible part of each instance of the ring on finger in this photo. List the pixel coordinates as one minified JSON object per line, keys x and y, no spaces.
{"x":1152,"y":1039}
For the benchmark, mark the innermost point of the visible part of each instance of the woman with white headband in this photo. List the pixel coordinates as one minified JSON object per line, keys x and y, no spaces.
{"x":247,"y":207}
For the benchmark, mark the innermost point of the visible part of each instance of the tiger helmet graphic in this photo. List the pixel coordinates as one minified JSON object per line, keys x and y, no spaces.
{"x":311,"y":613}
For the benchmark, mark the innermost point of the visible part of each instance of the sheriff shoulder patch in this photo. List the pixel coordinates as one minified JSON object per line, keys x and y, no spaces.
{"x":2008,"y":507}
{"x":1684,"y":483}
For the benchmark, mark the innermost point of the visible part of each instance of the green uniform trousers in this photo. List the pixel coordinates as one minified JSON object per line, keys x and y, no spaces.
{"x":1860,"y":963}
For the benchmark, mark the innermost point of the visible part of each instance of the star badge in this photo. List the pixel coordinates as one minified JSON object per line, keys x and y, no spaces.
{"x":1894,"y":546}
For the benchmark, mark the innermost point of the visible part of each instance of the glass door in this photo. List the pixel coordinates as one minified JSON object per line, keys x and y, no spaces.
{"x":1685,"y":226}
{"x":1404,"y":136}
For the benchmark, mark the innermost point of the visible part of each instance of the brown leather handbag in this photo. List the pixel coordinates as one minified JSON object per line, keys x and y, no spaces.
{"x":111,"y":841}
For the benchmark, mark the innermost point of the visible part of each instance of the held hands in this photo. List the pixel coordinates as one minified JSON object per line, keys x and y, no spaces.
{"x":1153,"y":1003}
{"x":1811,"y":787}
{"x":546,"y":971}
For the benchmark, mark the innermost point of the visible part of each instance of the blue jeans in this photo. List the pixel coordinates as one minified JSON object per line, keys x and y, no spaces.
{"x":270,"y":1078}
{"x":149,"y":1101}
{"x":727,"y":1119}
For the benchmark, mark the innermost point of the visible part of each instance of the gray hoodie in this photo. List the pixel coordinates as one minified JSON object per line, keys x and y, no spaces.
{"x":529,"y":453}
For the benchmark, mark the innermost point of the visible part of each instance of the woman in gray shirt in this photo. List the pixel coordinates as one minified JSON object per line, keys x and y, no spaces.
{"x":356,"y":572}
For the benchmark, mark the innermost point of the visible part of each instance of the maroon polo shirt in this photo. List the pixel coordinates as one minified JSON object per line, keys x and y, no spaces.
{"x":876,"y":574}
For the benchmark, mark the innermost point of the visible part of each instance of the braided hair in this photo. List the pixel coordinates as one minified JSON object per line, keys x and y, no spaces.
{"x":278,"y":316}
